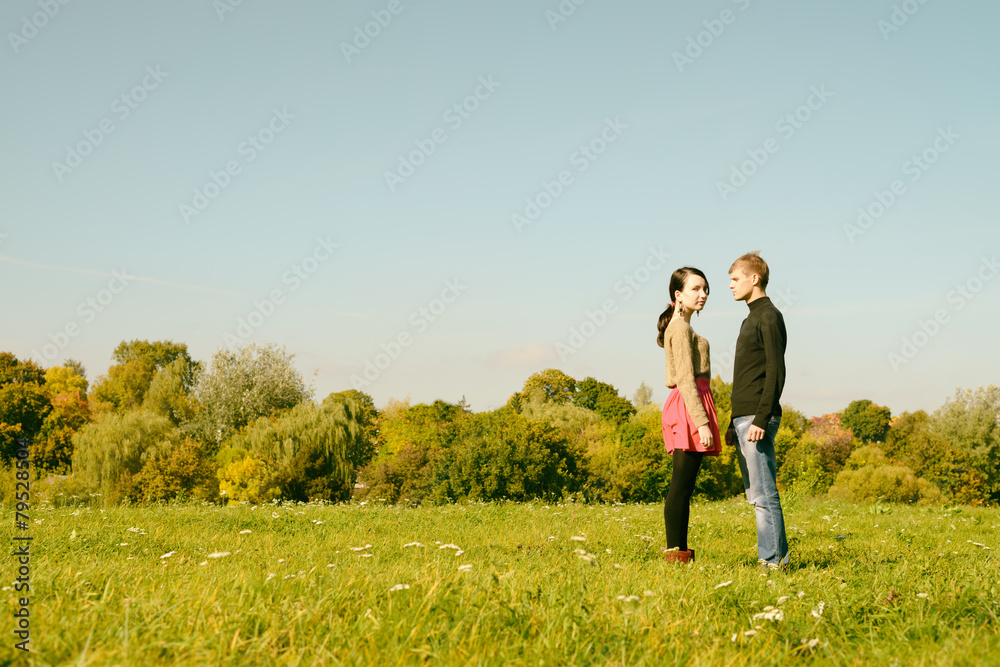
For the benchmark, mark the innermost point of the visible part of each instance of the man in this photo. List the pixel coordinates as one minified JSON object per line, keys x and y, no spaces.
{"x":758,"y":378}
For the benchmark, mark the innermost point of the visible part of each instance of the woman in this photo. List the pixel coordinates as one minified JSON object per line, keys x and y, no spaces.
{"x":690,"y":426}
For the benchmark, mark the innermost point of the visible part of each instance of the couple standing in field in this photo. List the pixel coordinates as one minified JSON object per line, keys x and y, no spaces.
{"x":690,"y":425}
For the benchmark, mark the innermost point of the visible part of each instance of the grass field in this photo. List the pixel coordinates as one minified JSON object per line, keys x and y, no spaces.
{"x":505,"y":584}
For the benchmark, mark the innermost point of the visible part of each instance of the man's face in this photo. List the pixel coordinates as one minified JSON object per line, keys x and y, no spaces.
{"x":740,"y":284}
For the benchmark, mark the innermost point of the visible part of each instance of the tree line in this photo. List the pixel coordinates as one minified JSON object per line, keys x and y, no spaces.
{"x":245,"y":427}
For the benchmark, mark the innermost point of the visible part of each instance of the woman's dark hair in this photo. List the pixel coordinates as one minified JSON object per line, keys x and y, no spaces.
{"x":677,"y":280}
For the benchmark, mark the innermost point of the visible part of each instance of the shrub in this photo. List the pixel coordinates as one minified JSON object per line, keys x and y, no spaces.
{"x":869,"y":477}
{"x":247,"y":480}
{"x":185,"y":473}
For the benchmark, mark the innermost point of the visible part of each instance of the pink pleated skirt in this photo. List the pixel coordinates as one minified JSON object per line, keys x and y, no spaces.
{"x":679,"y":432}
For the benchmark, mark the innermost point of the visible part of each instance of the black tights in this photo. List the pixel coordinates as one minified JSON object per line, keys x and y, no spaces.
{"x":677,"y":508}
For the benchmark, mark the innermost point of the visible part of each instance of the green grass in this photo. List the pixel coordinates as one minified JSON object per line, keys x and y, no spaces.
{"x":903,"y":585}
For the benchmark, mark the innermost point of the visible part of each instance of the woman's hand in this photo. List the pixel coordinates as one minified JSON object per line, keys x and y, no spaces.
{"x":705,"y":434}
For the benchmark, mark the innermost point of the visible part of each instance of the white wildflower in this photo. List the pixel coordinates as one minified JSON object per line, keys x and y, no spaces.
{"x":724,"y":584}
{"x":770,"y":614}
{"x":218,"y":554}
{"x":413,"y":544}
{"x":367,"y":546}
{"x":818,"y":611}
{"x":465,"y":568}
{"x":399,"y":587}
{"x":168,"y":554}
{"x":578,"y":538}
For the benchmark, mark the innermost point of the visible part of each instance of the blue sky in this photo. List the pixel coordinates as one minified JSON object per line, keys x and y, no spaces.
{"x":834,"y":100}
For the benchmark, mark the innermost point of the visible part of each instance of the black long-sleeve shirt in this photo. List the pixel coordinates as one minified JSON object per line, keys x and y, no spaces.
{"x":759,"y":368}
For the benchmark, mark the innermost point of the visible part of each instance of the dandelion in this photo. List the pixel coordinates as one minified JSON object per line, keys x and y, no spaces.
{"x":723,"y":584}
{"x":168,"y":554}
{"x":218,"y":554}
{"x":465,"y":568}
{"x":244,"y":532}
{"x":399,"y":587}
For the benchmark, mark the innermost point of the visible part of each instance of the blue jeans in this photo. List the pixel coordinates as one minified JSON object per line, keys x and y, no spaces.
{"x":759,"y":470}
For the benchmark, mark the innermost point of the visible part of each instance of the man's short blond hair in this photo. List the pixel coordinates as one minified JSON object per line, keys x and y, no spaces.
{"x":750,"y":264}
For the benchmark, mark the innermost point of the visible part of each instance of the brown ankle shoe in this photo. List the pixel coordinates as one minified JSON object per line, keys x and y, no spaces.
{"x":678,"y":556}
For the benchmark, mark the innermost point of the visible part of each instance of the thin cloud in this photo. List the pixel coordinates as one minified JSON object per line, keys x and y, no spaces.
{"x":143,"y":279}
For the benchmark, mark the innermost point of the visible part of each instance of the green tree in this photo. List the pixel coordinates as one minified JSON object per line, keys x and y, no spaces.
{"x":868,"y":422}
{"x":504,"y":455}
{"x":305,"y":449}
{"x":170,"y":392}
{"x":239,"y":387}
{"x":363,"y":449}
{"x":52,"y":451}
{"x":63,"y":381}
{"x":113,"y":448}
{"x":136,"y":362}
{"x":970,"y":421}
{"x":14,"y":371}
{"x":603,"y":399}
{"x":643,"y":396}
{"x":554,"y":385}
{"x":24,"y":403}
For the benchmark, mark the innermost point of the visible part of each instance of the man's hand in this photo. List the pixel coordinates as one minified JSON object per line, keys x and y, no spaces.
{"x":755,"y":433}
{"x":731,"y":435}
